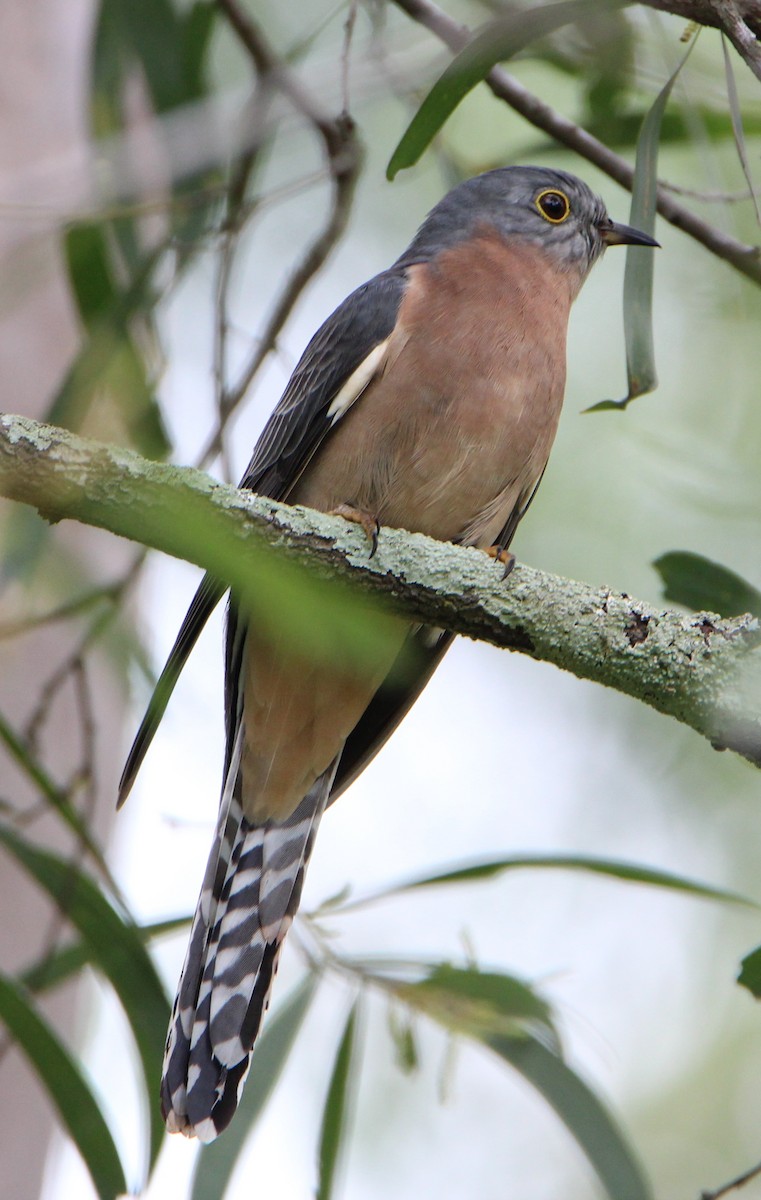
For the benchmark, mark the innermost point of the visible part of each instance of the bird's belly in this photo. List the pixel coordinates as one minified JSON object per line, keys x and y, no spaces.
{"x":459,"y":425}
{"x":452,"y":466}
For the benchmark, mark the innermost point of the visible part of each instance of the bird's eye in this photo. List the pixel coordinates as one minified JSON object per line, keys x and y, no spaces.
{"x":553,"y":205}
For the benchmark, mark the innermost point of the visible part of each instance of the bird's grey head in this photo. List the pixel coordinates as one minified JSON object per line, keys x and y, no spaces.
{"x":547,"y":208}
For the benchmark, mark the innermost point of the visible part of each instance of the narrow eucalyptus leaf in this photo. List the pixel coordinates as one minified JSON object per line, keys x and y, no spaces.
{"x":496,"y":42}
{"x":337,"y":1108}
{"x":216,"y":1162}
{"x":750,"y":973}
{"x":114,"y":948}
{"x":67,"y":1088}
{"x":705,"y":586}
{"x":583,"y":1115}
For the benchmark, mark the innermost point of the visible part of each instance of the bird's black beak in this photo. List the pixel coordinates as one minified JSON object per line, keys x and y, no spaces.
{"x":614,"y":234}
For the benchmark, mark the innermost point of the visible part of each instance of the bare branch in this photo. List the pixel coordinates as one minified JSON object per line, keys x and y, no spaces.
{"x":702,"y":670}
{"x":341,"y":148}
{"x":740,"y":20}
{"x":744,"y":258}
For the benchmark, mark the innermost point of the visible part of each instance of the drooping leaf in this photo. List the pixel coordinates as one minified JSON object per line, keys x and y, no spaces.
{"x":116,"y":949}
{"x":737,"y":126}
{"x":508,"y":1017}
{"x":582,"y":1113}
{"x":336,"y":1112}
{"x":49,"y":790}
{"x":475,"y":1003}
{"x":197,"y":29}
{"x":58,"y":966}
{"x":89,"y":271}
{"x":638,"y":276}
{"x":70,"y":1093}
{"x":750,"y":973}
{"x":217,"y":1161}
{"x":405,"y":1042}
{"x":706,"y":586}
{"x":496,"y":42}
{"x":610,"y":868}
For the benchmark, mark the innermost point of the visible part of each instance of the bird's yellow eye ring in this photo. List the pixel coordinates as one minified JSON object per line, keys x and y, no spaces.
{"x":554,"y":205}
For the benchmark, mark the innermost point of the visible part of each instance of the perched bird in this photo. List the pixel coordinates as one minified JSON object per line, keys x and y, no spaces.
{"x":428,"y":401}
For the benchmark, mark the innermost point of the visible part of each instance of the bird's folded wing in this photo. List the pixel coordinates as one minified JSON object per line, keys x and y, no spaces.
{"x":341,"y":359}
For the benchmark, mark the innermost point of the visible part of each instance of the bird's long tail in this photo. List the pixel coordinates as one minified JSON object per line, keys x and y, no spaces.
{"x":249,"y":897}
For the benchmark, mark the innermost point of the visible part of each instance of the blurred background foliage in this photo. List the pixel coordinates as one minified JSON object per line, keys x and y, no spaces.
{"x":234,"y":190}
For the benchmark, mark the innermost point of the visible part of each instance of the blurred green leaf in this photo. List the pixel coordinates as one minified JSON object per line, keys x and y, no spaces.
{"x":58,"y":799}
{"x":154,"y":34}
{"x":737,"y":125}
{"x":405,"y":1044}
{"x":89,"y":270}
{"x":116,"y":949}
{"x":750,"y":972}
{"x":705,"y":586}
{"x":26,"y":534}
{"x":67,"y":1088}
{"x":337,"y":1102}
{"x":581,"y":1112}
{"x":611,"y":868}
{"x":509,"y":1018}
{"x":217,"y":1161}
{"x":638,"y":276}
{"x":496,"y":42}
{"x":196,"y":33}
{"x":58,"y":966}
{"x":108,"y":363}
{"x":469,"y":1001}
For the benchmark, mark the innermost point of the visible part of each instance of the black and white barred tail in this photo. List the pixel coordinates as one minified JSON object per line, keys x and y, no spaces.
{"x":249,"y":897}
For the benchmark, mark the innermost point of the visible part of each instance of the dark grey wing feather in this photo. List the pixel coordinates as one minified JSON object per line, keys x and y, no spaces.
{"x":415,"y":664}
{"x":294,"y":431}
{"x":300,"y":422}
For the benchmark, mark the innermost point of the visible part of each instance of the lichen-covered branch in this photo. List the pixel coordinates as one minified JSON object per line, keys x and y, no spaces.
{"x":705,"y":671}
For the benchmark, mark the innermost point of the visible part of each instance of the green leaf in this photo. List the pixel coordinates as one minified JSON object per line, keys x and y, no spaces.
{"x":197,"y":29}
{"x":334,"y":1117}
{"x":405,"y":1042}
{"x":750,"y":972}
{"x":217,"y":1161}
{"x":89,"y":270}
{"x":706,"y":586}
{"x":475,"y":1003}
{"x":582,"y":1114}
{"x":67,"y":1088}
{"x":49,"y":790}
{"x":505,"y":1015}
{"x":611,"y":868}
{"x":638,"y":276}
{"x":155,"y":33}
{"x":737,"y":125}
{"x":495,"y":42}
{"x":116,"y":949}
{"x":55,"y":968}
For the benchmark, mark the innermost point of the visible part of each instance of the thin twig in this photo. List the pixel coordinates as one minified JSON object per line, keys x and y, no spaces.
{"x":744,"y":258}
{"x":733,"y":1184}
{"x":341,"y":149}
{"x":740,"y":20}
{"x":237,"y":215}
{"x":346,"y":56}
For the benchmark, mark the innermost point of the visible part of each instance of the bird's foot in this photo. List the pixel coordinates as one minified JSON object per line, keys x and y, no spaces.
{"x":358,"y":516}
{"x":504,"y":556}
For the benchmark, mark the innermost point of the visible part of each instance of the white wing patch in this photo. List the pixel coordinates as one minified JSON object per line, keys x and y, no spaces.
{"x":355,"y":385}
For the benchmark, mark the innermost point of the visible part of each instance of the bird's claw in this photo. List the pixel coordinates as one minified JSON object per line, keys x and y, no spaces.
{"x":358,"y":516}
{"x":499,"y":554}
